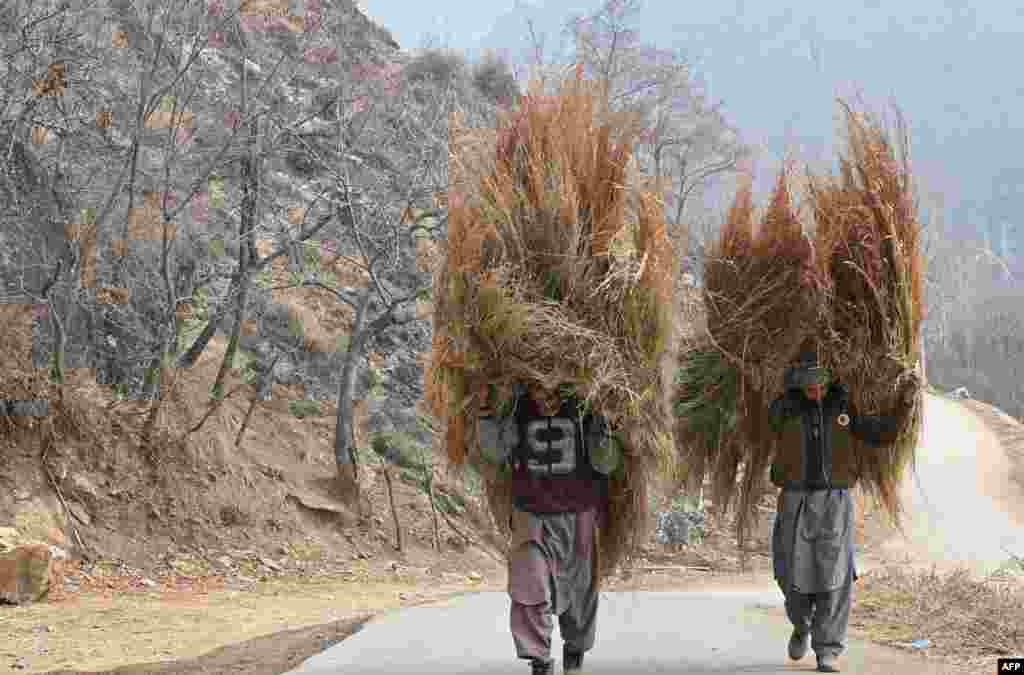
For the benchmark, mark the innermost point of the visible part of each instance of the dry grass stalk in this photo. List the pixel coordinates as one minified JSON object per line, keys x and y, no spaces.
{"x":557,"y":269}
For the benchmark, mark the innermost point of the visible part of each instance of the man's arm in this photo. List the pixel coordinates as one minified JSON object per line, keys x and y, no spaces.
{"x":603,"y":445}
{"x":497,"y":434}
{"x":782,"y":409}
{"x":878,"y":430}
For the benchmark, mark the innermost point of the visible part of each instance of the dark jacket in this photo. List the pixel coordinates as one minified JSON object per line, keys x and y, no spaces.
{"x":813,"y":449}
{"x":549,"y":458}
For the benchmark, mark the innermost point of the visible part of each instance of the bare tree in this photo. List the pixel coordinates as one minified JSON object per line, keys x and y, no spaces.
{"x":686,"y":140}
{"x":389,"y":166}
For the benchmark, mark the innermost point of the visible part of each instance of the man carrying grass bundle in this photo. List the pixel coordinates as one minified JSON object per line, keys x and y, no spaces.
{"x":816,"y":467}
{"x":559,"y":458}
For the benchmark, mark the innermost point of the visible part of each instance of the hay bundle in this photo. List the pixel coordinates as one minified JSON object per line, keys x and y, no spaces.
{"x":857,"y":293}
{"x":558,"y":269}
{"x":869,"y":231}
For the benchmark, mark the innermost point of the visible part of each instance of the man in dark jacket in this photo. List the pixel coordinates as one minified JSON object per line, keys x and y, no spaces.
{"x":559,"y":459}
{"x":812,"y":542}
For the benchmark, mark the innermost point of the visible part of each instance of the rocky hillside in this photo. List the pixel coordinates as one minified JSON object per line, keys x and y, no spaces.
{"x":125,"y":126}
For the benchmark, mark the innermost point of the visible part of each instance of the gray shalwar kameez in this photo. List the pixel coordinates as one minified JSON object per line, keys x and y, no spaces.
{"x":813,"y":555}
{"x":553,"y":552}
{"x":551,"y":572}
{"x":812,"y":540}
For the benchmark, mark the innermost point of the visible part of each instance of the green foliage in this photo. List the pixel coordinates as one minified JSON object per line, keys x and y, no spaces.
{"x":303,"y":409}
{"x":328,"y":278}
{"x":472,"y":483}
{"x":709,"y":388}
{"x":264,"y":279}
{"x":341,"y":343}
{"x":217,"y":248}
{"x":215,"y":192}
{"x":311,"y":254}
{"x":402,"y":449}
{"x":452,"y":504}
{"x":373,"y":378}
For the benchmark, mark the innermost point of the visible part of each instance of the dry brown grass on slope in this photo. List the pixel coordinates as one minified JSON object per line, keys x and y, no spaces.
{"x":968,"y":621}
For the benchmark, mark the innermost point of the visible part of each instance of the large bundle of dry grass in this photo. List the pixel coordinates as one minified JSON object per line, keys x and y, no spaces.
{"x":856,"y":293}
{"x":557,"y":269}
{"x":868,"y":233}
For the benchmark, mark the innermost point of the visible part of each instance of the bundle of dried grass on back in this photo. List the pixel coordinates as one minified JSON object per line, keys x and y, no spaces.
{"x":558,"y":269}
{"x":869,"y":235}
{"x":762,"y":297}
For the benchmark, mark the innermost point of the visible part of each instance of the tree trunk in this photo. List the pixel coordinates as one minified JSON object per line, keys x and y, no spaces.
{"x":229,"y":355}
{"x":189,"y":358}
{"x":394,"y":510}
{"x":344,"y":433}
{"x":263,"y":384}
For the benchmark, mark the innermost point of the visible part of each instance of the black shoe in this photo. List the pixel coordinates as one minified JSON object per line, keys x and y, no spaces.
{"x":543,"y":667}
{"x":572,"y":662}
{"x":827,"y":664}
{"x":798,"y":645}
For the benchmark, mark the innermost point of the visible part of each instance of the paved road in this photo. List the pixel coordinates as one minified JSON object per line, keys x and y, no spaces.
{"x":963,"y":509}
{"x":692,"y":633}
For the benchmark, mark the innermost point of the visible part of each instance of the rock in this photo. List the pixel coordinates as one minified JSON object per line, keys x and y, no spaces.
{"x":270,"y":564}
{"x":403,"y":596}
{"x":148,"y":583}
{"x":226,"y":561}
{"x":29,"y":571}
{"x":83,"y":486}
{"x":79,"y":512}
{"x":475,"y":576}
{"x":680,"y":528}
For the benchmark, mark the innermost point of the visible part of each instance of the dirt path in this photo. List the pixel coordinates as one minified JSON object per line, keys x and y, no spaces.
{"x":963,"y":507}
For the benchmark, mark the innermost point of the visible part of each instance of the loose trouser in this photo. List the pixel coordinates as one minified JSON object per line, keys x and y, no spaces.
{"x":813,"y":554}
{"x":552,"y":572}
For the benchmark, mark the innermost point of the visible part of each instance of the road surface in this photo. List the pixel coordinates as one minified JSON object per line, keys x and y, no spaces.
{"x":962,"y":510}
{"x":692,"y":633}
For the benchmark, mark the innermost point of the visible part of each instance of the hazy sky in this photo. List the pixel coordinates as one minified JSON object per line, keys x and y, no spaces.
{"x":949,"y":64}
{"x":458,"y":22}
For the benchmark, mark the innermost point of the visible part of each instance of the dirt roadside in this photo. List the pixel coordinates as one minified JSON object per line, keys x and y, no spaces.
{"x":236,"y":624}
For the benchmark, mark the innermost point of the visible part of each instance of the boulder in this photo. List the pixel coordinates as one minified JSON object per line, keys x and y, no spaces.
{"x":28,"y":571}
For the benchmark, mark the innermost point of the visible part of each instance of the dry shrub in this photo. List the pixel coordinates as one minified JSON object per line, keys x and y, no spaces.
{"x":557,"y":268}
{"x":970,"y":620}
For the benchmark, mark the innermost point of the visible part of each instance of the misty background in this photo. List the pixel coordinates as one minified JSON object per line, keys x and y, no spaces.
{"x":775,"y":73}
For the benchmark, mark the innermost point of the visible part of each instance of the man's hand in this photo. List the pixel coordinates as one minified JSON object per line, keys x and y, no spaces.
{"x":908,"y":393}
{"x":842,"y":395}
{"x":484,"y":400}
